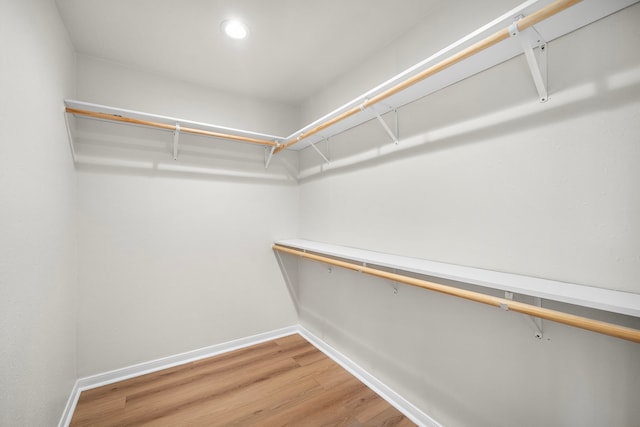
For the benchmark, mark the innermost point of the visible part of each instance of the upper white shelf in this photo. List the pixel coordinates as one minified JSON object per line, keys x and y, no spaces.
{"x":337,"y":121}
{"x":576,"y":16}
{"x":166,"y":120}
{"x":587,"y":296}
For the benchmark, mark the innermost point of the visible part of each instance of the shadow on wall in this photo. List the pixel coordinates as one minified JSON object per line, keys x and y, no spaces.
{"x":289,"y":269}
{"x":458,"y":361}
{"x":125,"y":149}
{"x":616,"y":91}
{"x":430,"y":389}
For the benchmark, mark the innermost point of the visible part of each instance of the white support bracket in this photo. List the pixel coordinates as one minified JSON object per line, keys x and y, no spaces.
{"x":538,"y":68}
{"x":70,"y":136}
{"x":394,"y":284}
{"x":325,"y":158}
{"x":534,"y":322}
{"x":268,"y":156}
{"x":364,"y":265}
{"x":176,"y":140}
{"x":292,"y":289}
{"x":394,"y":136}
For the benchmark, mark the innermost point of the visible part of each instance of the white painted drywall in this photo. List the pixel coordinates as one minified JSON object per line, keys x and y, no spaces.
{"x":175,"y":261}
{"x":498,"y":181}
{"x":169,"y":265}
{"x":132,"y":149}
{"x":447,"y":23}
{"x":161,"y":270}
{"x":109,"y":83}
{"x":37,"y":212}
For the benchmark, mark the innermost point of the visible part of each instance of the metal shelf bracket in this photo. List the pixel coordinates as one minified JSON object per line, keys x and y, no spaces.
{"x":176,"y":140}
{"x":537,"y":67}
{"x":268,"y":154}
{"x":394,"y":136}
{"x":534,"y":322}
{"x":325,"y":158}
{"x":385,"y":126}
{"x":70,"y":136}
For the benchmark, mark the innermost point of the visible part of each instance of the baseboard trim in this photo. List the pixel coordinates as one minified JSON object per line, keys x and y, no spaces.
{"x":403,"y":405}
{"x":397,"y":401}
{"x":65,"y":420}
{"x":87,"y":383}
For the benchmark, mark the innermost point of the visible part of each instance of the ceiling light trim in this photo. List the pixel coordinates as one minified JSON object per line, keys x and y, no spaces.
{"x":235,"y":29}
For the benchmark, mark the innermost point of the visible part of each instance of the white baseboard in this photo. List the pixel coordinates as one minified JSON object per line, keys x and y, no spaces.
{"x":87,"y":383}
{"x":397,"y":401}
{"x":70,"y":406}
{"x":116,"y":375}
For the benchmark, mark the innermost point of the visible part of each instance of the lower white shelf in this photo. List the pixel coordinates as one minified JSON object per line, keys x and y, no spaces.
{"x":587,"y":296}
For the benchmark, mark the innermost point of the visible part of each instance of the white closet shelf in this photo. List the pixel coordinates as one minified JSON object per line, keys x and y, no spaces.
{"x":527,"y":27}
{"x":587,"y":296}
{"x":109,"y":113}
{"x":447,"y":70}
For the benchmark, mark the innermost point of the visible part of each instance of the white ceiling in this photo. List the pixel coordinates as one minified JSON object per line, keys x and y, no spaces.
{"x":294,"y":49}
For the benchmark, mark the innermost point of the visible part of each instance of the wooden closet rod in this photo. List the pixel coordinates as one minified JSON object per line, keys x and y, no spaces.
{"x":531,"y":310}
{"x":524,"y":23}
{"x":169,"y":127}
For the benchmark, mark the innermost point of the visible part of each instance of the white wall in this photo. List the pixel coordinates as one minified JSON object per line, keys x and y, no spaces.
{"x":169,"y":261}
{"x":447,"y":23}
{"x":142,"y":150}
{"x":498,"y":181}
{"x":175,"y":261}
{"x":169,"y":265}
{"x":110,"y":83}
{"x":37,"y":212}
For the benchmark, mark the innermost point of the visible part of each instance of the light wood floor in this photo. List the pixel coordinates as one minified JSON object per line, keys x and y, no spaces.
{"x":285,"y":382}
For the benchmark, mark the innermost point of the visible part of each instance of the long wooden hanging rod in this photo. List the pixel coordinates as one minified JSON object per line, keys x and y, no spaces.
{"x":531,"y":310}
{"x":495,"y":38}
{"x":165,"y":126}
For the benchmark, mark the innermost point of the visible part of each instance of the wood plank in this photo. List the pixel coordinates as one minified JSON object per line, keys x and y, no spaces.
{"x":286,"y":381}
{"x":256,"y":397}
{"x":108,"y":406}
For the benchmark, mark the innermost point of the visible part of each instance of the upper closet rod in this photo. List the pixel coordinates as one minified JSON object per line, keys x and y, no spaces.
{"x":524,"y":23}
{"x":119,"y":118}
{"x":506,"y":304}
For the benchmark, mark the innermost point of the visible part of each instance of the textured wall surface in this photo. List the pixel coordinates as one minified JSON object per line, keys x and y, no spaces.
{"x":499,"y":181}
{"x":38,"y":252}
{"x":169,"y":265}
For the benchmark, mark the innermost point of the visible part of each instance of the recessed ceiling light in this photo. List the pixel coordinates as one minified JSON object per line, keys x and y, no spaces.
{"x":235,"y":29}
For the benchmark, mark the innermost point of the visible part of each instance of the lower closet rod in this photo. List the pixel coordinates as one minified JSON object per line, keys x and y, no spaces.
{"x":531,"y":310}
